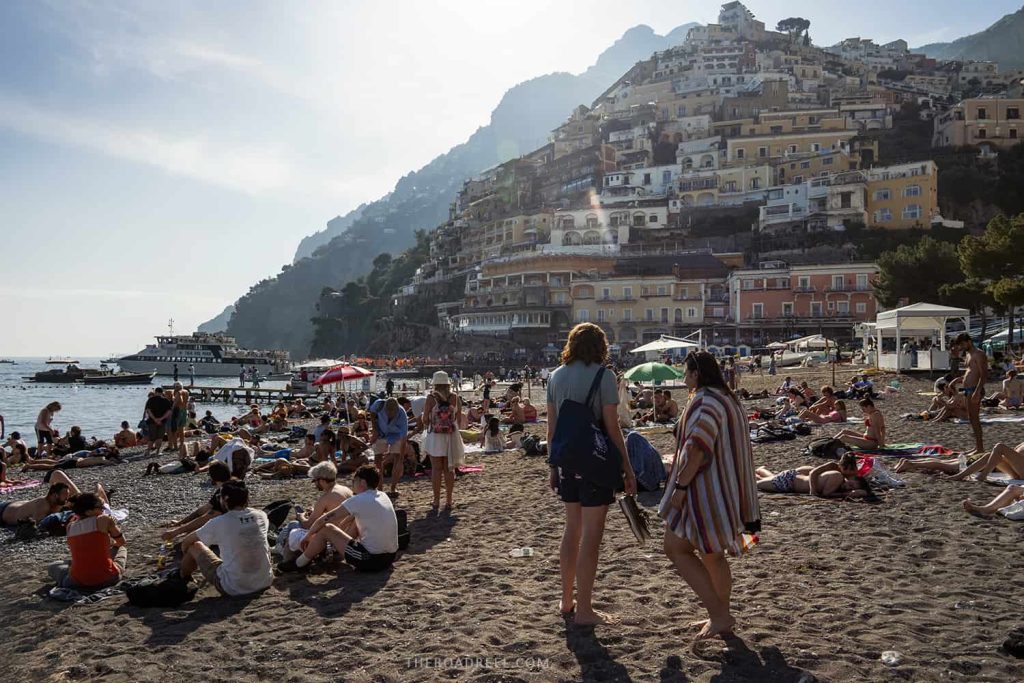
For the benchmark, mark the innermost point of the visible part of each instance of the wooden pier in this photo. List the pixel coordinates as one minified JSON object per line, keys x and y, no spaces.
{"x":246,"y":395}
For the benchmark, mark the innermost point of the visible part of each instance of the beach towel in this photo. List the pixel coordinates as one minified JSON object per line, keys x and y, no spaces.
{"x":907,"y":450}
{"x":994,"y":419}
{"x":1014,"y":511}
{"x":646,"y":462}
{"x":78,"y":598}
{"x":20,"y":486}
{"x":1003,"y":479}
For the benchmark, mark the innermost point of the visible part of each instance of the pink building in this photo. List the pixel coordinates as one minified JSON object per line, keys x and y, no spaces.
{"x":777,"y":301}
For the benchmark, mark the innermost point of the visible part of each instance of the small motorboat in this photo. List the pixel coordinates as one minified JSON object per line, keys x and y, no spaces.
{"x":121,"y":378}
{"x":8,"y":361}
{"x":58,"y":360}
{"x":69,"y":375}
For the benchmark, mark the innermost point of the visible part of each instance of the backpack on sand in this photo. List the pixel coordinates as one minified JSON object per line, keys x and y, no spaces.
{"x":826,"y":447}
{"x":170,"y":591}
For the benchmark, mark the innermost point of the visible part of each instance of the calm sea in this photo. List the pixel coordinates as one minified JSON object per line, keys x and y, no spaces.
{"x":98,"y":410}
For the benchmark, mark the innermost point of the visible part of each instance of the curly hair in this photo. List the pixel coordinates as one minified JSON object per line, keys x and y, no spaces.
{"x":587,"y":344}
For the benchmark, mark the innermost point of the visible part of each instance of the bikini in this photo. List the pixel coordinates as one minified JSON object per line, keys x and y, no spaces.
{"x":867,"y":435}
{"x":783,"y":481}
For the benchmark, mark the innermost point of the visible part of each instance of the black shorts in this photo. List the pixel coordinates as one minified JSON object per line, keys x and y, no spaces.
{"x":363,"y":560}
{"x":44,"y":437}
{"x":574,"y":489}
{"x":156,"y":431}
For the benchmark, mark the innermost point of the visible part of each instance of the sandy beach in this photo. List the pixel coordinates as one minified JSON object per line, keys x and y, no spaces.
{"x":831,"y":586}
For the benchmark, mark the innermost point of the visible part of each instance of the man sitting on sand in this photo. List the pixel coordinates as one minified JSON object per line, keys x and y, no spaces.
{"x":125,"y":438}
{"x":14,"y":511}
{"x":98,"y":554}
{"x":1012,"y":394}
{"x":219,"y":474}
{"x":240,"y":535}
{"x":332,"y":494}
{"x":364,"y":528}
{"x":830,"y":480}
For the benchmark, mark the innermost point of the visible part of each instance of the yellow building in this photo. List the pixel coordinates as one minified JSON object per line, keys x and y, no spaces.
{"x":715,"y":187}
{"x":982,"y":122}
{"x":811,"y":166}
{"x":903,"y":196}
{"x":767,"y":148}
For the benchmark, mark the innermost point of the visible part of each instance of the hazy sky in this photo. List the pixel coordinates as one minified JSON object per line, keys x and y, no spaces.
{"x":157,"y":159}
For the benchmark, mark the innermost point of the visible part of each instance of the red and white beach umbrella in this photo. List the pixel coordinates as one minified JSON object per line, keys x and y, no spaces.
{"x":342,"y":373}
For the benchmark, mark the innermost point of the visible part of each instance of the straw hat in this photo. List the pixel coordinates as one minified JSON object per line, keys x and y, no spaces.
{"x":441,"y":378}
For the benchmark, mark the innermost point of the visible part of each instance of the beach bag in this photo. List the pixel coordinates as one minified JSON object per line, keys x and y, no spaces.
{"x":55,"y":524}
{"x":171,"y":591}
{"x":403,"y":529}
{"x":826,"y":447}
{"x":582,"y":446}
{"x":443,"y":419}
{"x":531,"y":445}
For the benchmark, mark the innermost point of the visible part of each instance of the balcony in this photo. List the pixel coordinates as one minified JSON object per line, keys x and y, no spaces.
{"x":805,"y":290}
{"x":687,"y":297}
{"x":848,"y":287}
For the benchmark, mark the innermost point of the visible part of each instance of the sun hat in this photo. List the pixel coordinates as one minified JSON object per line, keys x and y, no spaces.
{"x":440,"y":377}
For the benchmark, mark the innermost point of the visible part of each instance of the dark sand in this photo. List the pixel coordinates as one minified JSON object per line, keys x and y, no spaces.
{"x":831,"y":586}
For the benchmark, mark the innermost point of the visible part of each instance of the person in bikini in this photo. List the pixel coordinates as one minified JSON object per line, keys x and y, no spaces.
{"x":1011,"y":396}
{"x":826,"y":404}
{"x":874,"y":433}
{"x":1009,"y":495}
{"x":973,"y":387}
{"x":1003,"y":458}
{"x":837,"y":414}
{"x":830,"y":480}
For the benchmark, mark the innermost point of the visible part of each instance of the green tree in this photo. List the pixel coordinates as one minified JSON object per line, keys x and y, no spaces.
{"x":971,"y":294}
{"x":916,"y":272}
{"x":794,"y":26}
{"x":996,"y":259}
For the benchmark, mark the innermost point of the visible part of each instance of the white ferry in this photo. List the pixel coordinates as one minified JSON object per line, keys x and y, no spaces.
{"x":212,"y":354}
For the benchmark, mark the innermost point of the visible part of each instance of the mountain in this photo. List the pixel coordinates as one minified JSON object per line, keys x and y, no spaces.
{"x":1001,"y":42}
{"x":276,"y":312}
{"x":220,"y":323}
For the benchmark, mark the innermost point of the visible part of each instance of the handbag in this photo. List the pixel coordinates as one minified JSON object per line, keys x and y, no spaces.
{"x":581,"y":444}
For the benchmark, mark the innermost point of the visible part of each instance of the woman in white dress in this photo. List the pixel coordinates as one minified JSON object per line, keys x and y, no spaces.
{"x":443,"y":443}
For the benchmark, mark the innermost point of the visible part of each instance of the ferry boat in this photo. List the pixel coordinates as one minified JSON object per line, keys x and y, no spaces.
{"x":212,"y":354}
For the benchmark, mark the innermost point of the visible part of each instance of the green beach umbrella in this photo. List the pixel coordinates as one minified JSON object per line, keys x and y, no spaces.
{"x":649,"y":372}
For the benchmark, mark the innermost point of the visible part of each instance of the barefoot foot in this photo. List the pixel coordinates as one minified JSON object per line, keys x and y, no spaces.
{"x":975,"y":510}
{"x":716,"y":628}
{"x":562,"y":607}
{"x":593,"y":618}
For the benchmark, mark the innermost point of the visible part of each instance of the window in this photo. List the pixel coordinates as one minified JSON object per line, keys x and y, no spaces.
{"x":679,"y":315}
{"x":815,"y":147}
{"x":981,"y":133}
{"x":740,"y":153}
{"x":843,"y":307}
{"x":600,"y":315}
{"x":862,"y":307}
{"x":762,"y":152}
{"x":755,"y":183}
{"x":627,"y":315}
{"x":1013,"y":112}
{"x":845,"y":200}
{"x":627,"y":293}
{"x":606,"y":293}
{"x":883,"y":216}
{"x":653,"y":218}
{"x":649,"y":315}
{"x":691,"y":312}
{"x":666,"y":177}
{"x":583,"y":315}
{"x":912,"y":191}
{"x":982,"y":114}
{"x":791,"y":149}
{"x":787,"y":309}
{"x":827,"y":161}
{"x":776,"y":130}
{"x":862,"y":281}
{"x":798,"y":179}
{"x":883,"y":195}
{"x":661,"y":290}
{"x":805,"y":164}
{"x":664,"y":315}
{"x":816,"y":309}
{"x":1013,"y":133}
{"x":647,"y":178}
{"x":638,"y":220}
{"x":748,"y":284}
{"x":757,"y":311}
{"x":912,"y":211}
{"x":803,"y":282}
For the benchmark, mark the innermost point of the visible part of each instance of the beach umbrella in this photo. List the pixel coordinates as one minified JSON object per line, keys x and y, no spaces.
{"x":342,"y":373}
{"x":649,"y":372}
{"x":778,"y":345}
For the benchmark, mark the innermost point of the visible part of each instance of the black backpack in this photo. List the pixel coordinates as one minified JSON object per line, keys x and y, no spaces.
{"x":826,"y":447}
{"x":277,"y":512}
{"x":154,"y":591}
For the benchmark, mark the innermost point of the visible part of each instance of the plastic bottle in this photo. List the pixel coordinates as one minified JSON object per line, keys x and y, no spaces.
{"x":891,"y":658}
{"x":162,"y":557}
{"x":522,"y":552}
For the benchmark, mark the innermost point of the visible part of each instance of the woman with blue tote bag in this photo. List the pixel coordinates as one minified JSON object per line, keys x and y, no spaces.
{"x":589,"y":487}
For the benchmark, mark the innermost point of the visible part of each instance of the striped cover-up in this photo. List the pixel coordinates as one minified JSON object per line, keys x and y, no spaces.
{"x":721,"y":501}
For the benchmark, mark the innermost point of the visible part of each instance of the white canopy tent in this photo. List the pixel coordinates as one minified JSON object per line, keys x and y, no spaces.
{"x":324,"y":363}
{"x":916,"y":320}
{"x":665,"y":343}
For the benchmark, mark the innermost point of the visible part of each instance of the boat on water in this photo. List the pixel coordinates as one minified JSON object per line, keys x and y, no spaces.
{"x":208,"y":355}
{"x":61,"y":360}
{"x":120,"y":378}
{"x":69,"y":375}
{"x":8,"y":361}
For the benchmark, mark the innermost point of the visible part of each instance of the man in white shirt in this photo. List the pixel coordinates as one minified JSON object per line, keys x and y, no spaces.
{"x":364,"y":528}
{"x":243,"y":566}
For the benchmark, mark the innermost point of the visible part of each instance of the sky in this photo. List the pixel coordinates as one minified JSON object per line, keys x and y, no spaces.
{"x":157,"y":159}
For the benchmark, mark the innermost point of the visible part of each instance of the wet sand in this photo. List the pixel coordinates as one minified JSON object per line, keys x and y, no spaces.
{"x":831,"y":586}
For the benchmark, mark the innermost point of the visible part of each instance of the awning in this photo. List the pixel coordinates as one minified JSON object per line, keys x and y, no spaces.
{"x":664,"y":344}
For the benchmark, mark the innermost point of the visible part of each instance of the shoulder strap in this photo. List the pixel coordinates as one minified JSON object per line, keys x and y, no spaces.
{"x":594,"y":385}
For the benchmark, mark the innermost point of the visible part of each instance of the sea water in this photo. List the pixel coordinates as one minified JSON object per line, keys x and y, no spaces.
{"x":99,"y":409}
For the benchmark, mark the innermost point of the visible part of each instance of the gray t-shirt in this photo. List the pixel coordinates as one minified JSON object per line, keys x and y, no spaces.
{"x":573,"y":381}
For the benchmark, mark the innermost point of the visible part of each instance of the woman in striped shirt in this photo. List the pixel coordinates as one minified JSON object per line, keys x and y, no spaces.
{"x":711,"y":495}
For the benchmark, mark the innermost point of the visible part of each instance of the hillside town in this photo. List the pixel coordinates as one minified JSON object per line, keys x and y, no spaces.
{"x":710,"y":188}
